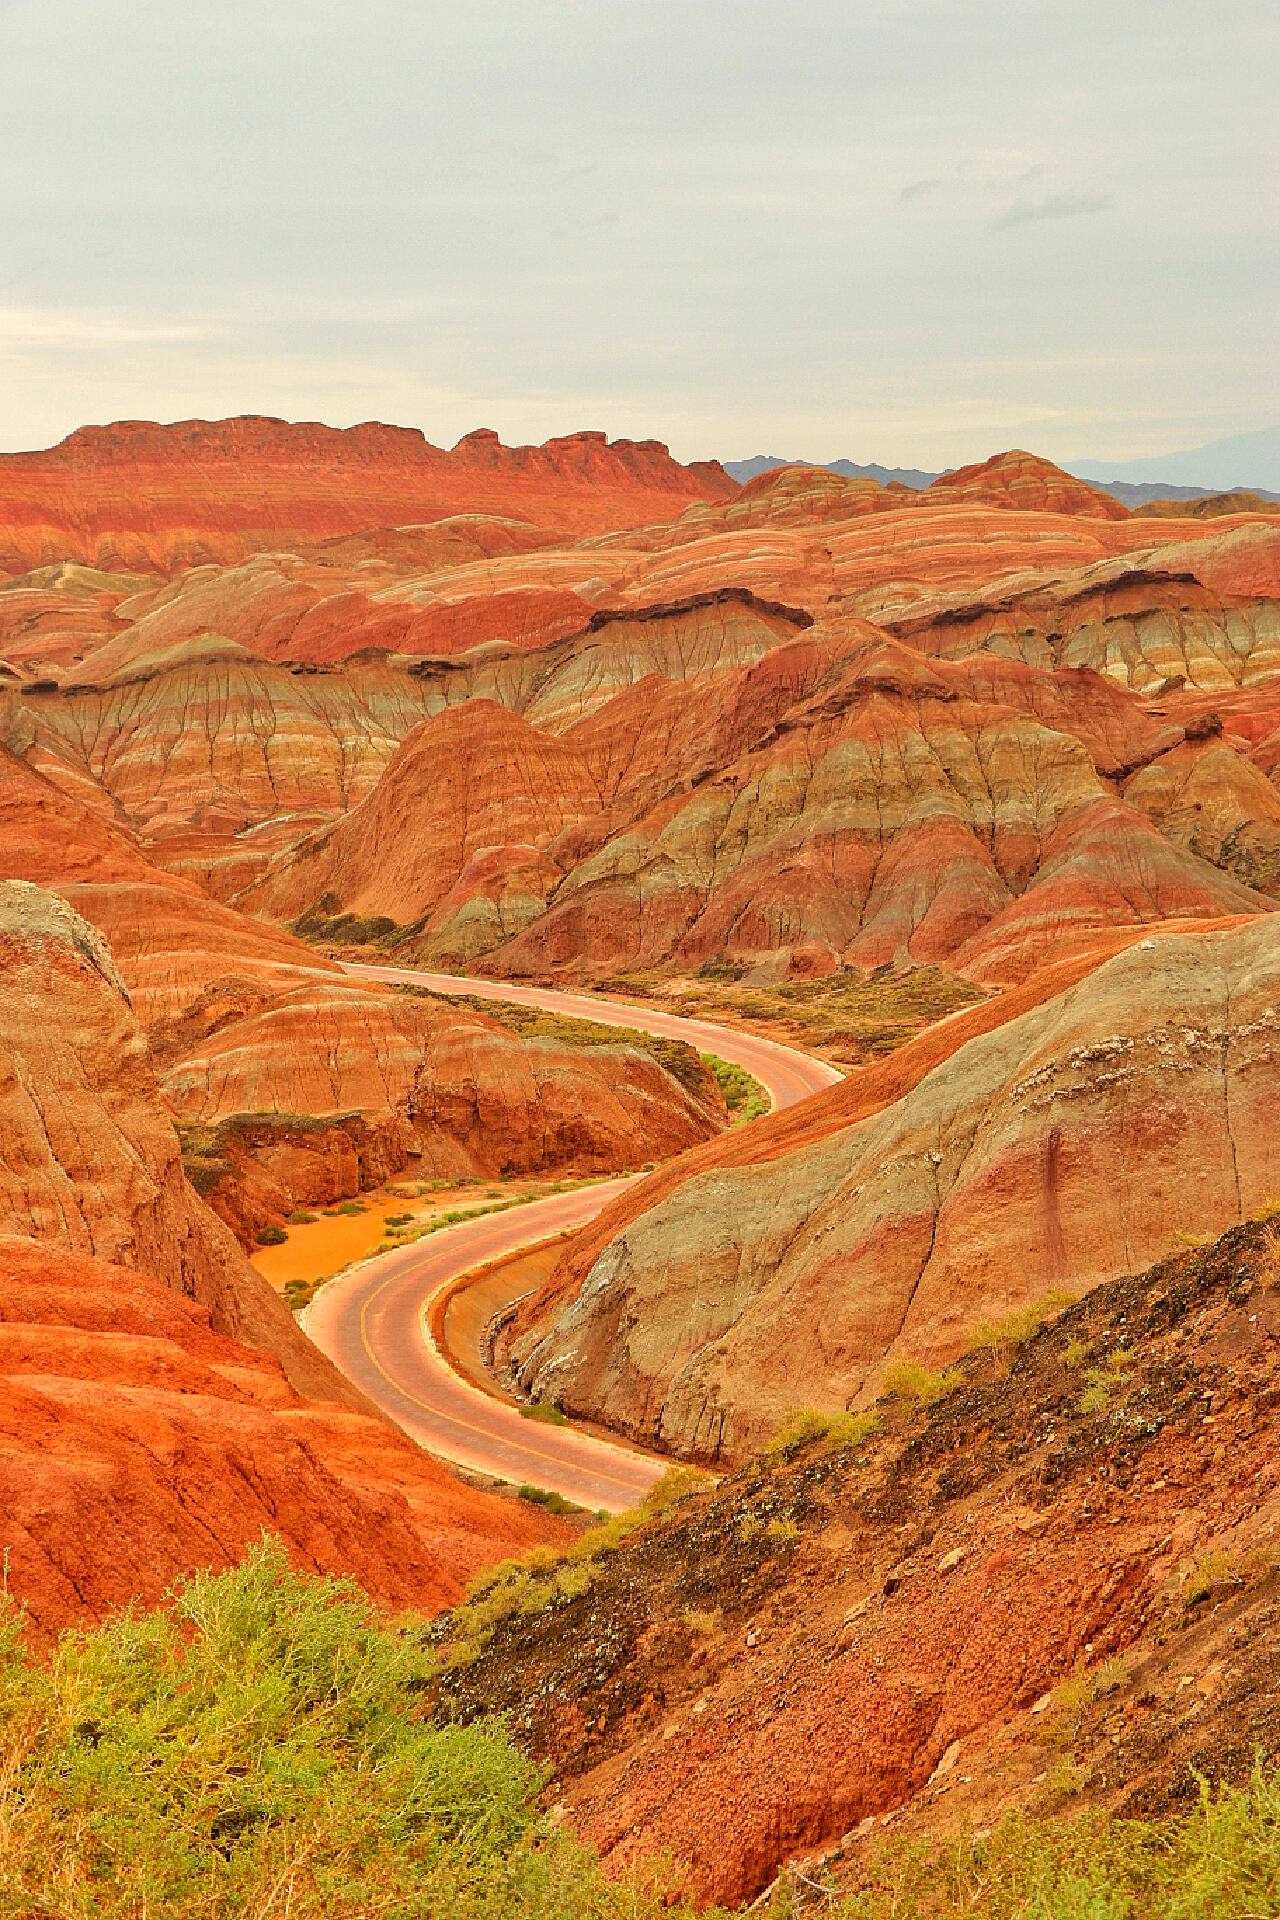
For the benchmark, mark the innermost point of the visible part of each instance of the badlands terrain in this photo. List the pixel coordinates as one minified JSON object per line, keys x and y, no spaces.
{"x":971,"y":791}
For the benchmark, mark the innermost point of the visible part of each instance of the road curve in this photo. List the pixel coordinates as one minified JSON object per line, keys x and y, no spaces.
{"x":372,"y":1320}
{"x":788,"y":1076}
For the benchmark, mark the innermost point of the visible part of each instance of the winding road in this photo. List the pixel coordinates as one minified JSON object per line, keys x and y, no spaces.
{"x":372,"y":1321}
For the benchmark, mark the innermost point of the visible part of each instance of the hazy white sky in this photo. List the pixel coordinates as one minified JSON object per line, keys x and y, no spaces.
{"x":913,"y":231}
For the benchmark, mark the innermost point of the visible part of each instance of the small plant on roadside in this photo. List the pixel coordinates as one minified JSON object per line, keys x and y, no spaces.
{"x":301,"y":1218}
{"x":542,"y":1497}
{"x":271,"y":1236}
{"x":544,"y":1411}
{"x":1076,"y":1351}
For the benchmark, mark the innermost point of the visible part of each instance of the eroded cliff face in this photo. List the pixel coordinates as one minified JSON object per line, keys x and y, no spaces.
{"x":1063,"y":1147}
{"x":91,"y":1161}
{"x":137,"y":1444}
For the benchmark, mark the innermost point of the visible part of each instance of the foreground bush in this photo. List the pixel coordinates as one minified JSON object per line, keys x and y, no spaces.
{"x":252,"y":1752}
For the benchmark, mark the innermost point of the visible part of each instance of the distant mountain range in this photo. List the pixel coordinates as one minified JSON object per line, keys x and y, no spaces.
{"x":1247,"y":460}
{"x":1244,"y":460}
{"x":744,"y":470}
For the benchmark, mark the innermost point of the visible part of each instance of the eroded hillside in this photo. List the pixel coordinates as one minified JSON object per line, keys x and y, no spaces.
{"x":1045,"y":1579}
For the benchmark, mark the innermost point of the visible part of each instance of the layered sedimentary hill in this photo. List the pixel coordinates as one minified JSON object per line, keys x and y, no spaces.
{"x":1051,"y":1151}
{"x":140,"y":495}
{"x":91,"y":1162}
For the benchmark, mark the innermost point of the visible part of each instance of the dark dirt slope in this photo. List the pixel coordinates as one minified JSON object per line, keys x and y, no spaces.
{"x":858,"y":1634}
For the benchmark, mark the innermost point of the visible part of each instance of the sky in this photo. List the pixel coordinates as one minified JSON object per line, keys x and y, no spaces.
{"x":911,"y":231}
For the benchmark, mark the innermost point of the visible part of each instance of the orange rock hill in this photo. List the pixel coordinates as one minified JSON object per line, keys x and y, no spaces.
{"x":137,"y":1445}
{"x":1054,"y":1149}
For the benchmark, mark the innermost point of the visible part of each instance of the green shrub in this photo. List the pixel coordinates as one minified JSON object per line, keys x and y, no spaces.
{"x":908,"y":1380}
{"x":782,"y":1529}
{"x":248,"y":1753}
{"x":301,"y":1218}
{"x":806,"y":1425}
{"x":800,"y":1429}
{"x":743,"y":1094}
{"x":851,"y":1429}
{"x":1219,"y":1862}
{"x":271,"y":1236}
{"x":543,"y":1497}
{"x":1018,"y":1326}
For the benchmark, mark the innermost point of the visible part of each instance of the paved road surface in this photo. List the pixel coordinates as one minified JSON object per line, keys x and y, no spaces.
{"x":789,"y":1076}
{"x":372,"y":1321}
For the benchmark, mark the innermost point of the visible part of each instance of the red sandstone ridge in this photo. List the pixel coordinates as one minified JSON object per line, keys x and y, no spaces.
{"x":1025,"y":482}
{"x":138,"y":1445}
{"x":137,"y":494}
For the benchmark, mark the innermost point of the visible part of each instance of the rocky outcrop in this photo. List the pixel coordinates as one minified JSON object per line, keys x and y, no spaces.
{"x":138,"y":1445}
{"x":91,"y":1162}
{"x":1059,"y":1149}
{"x":157,"y":498}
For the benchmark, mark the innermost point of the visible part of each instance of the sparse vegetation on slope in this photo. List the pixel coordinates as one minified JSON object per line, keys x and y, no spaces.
{"x":1063,"y":1570}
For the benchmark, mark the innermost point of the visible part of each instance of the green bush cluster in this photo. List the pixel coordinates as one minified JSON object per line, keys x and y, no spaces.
{"x":1219,"y":1862}
{"x":271,"y":1236}
{"x":744,"y":1096}
{"x":253,"y":1750}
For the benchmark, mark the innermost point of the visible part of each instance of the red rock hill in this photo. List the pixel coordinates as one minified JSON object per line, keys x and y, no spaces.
{"x":138,"y":494}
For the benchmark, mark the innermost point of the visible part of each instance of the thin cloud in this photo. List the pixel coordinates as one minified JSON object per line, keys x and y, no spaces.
{"x":918,"y":187}
{"x":67,"y":328}
{"x":1058,"y":206}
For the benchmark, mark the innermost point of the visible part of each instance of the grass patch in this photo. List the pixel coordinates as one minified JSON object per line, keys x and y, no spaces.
{"x":544,"y":1411}
{"x":1219,"y":1862}
{"x":1103,"y":1381}
{"x":908,"y":1380}
{"x":545,"y":1497}
{"x":806,"y":1425}
{"x":1018,"y":1326}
